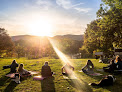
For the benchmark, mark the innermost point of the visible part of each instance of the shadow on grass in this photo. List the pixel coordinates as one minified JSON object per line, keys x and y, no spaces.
{"x":4,"y":79}
{"x":47,"y":85}
{"x":81,"y":86}
{"x":10,"y":87}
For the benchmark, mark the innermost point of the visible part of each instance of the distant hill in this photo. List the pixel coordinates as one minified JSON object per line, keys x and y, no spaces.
{"x":73,"y":37}
{"x":25,"y":37}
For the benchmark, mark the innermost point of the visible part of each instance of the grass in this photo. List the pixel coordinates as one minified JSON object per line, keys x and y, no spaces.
{"x":56,"y":83}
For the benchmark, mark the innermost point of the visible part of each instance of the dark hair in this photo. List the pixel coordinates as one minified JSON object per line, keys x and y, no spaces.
{"x":89,"y":62}
{"x":14,"y":61}
{"x":112,"y":61}
{"x":118,"y":59}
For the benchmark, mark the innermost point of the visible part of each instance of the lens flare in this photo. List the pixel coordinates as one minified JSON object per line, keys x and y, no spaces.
{"x":78,"y":83}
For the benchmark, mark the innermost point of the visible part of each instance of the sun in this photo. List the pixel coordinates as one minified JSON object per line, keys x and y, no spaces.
{"x":40,"y":28}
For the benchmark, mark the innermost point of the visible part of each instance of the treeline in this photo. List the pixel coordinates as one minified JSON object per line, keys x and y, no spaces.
{"x":35,"y":47}
{"x":105,"y":33}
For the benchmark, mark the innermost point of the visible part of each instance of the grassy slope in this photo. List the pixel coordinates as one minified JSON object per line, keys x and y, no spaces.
{"x":56,"y":83}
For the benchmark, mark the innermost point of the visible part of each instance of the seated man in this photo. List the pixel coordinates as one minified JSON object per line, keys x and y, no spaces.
{"x":46,"y":71}
{"x":88,"y":67}
{"x":67,"y":69}
{"x":110,"y":68}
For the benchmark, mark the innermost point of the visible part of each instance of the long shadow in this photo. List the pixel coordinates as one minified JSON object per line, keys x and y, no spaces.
{"x":4,"y":79}
{"x":47,"y":85}
{"x":80,"y":85}
{"x":10,"y":87}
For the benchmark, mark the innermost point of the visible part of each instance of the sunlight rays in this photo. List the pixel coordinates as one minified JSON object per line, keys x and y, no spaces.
{"x":80,"y":85}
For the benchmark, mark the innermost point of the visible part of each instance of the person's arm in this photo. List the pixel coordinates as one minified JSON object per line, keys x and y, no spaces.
{"x":62,"y":69}
{"x":17,"y":64}
{"x":72,"y":68}
{"x":84,"y":67}
{"x":42,"y":70}
{"x":92,"y":66}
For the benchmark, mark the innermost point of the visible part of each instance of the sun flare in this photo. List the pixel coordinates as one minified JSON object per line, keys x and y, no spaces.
{"x":40,"y":28}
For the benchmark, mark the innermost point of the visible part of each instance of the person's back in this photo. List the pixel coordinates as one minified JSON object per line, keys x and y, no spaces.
{"x":46,"y":71}
{"x":13,"y":66}
{"x":119,"y":63}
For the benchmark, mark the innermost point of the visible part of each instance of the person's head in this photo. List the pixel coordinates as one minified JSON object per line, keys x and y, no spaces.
{"x":117,"y":59}
{"x":112,"y":61}
{"x":14,"y":61}
{"x":20,"y":67}
{"x":46,"y":63}
{"x":89,"y":62}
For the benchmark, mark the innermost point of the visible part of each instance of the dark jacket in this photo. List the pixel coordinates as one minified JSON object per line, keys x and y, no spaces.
{"x":46,"y":71}
{"x":13,"y":67}
{"x":119,"y":65}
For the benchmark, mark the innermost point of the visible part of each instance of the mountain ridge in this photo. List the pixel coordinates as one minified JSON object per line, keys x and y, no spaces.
{"x":68,"y":36}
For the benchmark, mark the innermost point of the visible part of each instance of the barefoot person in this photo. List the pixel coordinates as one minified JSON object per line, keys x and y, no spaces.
{"x":88,"y":67}
{"x":68,"y":69}
{"x":46,"y":70}
{"x":22,"y":71}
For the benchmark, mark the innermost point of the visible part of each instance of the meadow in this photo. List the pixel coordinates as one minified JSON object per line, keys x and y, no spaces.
{"x":56,"y":83}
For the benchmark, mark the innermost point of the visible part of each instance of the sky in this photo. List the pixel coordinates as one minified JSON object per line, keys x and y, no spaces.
{"x":59,"y":17}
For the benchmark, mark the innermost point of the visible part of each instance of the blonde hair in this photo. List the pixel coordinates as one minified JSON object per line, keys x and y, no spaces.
{"x":117,"y":58}
{"x":20,"y":69}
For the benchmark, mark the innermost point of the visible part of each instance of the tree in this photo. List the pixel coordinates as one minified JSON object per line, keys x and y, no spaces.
{"x":110,"y":23}
{"x":6,"y":44}
{"x":105,"y":33}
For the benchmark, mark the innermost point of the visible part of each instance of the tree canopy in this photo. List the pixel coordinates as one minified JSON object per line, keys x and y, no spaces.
{"x":105,"y":33}
{"x":6,"y":44}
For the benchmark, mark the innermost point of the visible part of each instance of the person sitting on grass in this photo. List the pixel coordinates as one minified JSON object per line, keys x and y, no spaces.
{"x":68,"y":69}
{"x":13,"y":66}
{"x":88,"y":67}
{"x":119,"y":63}
{"x":110,"y":68}
{"x":46,"y":70}
{"x":22,"y":71}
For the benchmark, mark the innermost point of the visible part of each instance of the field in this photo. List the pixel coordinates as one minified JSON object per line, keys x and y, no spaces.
{"x":56,"y":83}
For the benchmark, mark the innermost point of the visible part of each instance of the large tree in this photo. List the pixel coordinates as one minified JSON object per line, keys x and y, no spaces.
{"x":106,"y":32}
{"x":6,"y":44}
{"x":111,"y":21}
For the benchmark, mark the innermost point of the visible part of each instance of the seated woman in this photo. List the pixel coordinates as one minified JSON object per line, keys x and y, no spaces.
{"x":68,"y":69}
{"x":119,"y":63}
{"x":13,"y":66}
{"x":88,"y":67}
{"x":46,"y":71}
{"x":110,"y":68}
{"x":22,"y":71}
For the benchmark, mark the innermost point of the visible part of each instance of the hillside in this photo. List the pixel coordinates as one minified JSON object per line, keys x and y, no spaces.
{"x":72,"y":37}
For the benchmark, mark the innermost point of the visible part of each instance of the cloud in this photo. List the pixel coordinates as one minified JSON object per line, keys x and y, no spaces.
{"x":44,"y":4}
{"x":67,"y":4}
{"x":85,"y":10}
{"x":64,"y":3}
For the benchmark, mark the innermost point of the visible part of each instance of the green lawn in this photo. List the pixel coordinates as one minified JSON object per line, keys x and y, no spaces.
{"x":56,"y":83}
